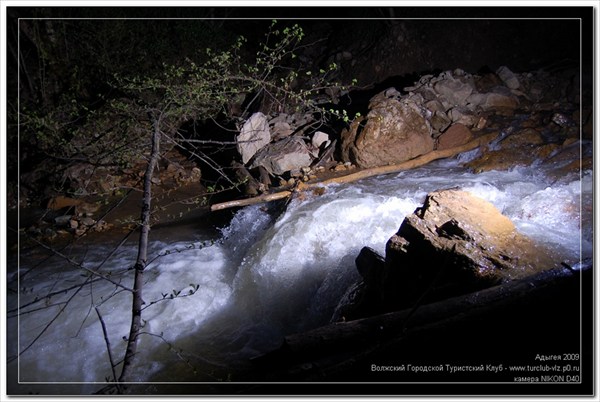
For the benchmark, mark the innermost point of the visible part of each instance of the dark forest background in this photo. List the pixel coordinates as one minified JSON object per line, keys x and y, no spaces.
{"x":62,"y":62}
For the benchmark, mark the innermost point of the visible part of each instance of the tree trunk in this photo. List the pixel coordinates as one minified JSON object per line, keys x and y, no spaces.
{"x":140,"y":265}
{"x":410,"y":164}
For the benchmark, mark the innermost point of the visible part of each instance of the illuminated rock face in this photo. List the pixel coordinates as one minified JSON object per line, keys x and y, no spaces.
{"x":454,"y":244}
{"x":395,"y":131}
{"x":458,"y":242}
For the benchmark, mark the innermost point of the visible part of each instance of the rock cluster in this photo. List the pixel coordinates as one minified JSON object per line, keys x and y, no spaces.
{"x":536,"y":115}
{"x":65,"y":215}
{"x":86,"y":180}
{"x":454,"y":244}
{"x":75,"y":214}
{"x":282,"y":144}
{"x":437,"y":112}
{"x":440,"y":112}
{"x":537,"y":139}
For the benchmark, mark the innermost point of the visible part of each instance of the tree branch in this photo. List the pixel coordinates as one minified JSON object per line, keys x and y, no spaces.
{"x":107,"y":341}
{"x":75,"y":263}
{"x":48,"y":324}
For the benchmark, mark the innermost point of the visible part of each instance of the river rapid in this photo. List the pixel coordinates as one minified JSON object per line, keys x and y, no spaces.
{"x":264,"y":275}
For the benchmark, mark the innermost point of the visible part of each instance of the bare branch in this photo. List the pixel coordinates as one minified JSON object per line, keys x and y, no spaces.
{"x":47,"y":325}
{"x":57,"y":292}
{"x":78,"y":265}
{"x":107,"y":341}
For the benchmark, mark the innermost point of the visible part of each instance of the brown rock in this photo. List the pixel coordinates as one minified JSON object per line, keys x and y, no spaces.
{"x":457,"y":243}
{"x":544,"y":151}
{"x":486,"y":82}
{"x":455,"y":136}
{"x":521,"y":148}
{"x":60,"y":202}
{"x":395,"y":131}
{"x":503,"y":159}
{"x":529,"y":136}
{"x":572,"y":157}
{"x":500,"y":102}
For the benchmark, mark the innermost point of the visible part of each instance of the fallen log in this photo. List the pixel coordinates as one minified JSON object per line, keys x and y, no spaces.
{"x":363,"y":174}
{"x":251,"y":201}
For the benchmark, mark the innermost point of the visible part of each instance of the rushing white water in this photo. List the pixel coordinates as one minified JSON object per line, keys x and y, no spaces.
{"x":265,"y":277}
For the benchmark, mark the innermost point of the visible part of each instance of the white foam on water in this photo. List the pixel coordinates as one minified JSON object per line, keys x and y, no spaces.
{"x":267,"y":277}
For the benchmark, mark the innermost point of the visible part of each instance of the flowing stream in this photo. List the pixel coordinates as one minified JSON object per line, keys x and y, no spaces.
{"x":265,"y":275}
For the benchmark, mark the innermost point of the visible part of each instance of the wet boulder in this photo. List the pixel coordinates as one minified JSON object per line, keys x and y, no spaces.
{"x":456,"y":243}
{"x":517,"y":148}
{"x":395,"y":130}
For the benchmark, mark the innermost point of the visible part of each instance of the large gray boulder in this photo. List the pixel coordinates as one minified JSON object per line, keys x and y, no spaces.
{"x":454,"y":90}
{"x":283,"y":156}
{"x":254,"y":135}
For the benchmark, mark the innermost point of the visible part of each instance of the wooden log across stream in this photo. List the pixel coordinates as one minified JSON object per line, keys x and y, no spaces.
{"x":362,"y":174}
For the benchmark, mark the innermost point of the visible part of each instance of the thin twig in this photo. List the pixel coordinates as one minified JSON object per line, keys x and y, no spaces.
{"x":107,"y":341}
{"x":48,"y":324}
{"x":75,"y":263}
{"x":49,"y":295}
